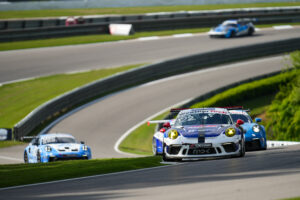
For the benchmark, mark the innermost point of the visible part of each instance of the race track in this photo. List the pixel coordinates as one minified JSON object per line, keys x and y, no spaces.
{"x":21,"y":64}
{"x":101,"y":124}
{"x":272,"y":174}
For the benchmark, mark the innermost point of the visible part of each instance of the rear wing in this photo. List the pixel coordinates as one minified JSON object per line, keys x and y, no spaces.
{"x":28,"y":138}
{"x":158,"y":121}
{"x":237,"y":108}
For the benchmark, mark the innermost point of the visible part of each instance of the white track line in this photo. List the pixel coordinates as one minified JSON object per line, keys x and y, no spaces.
{"x":148,"y":38}
{"x":283,"y":27}
{"x":116,"y":147}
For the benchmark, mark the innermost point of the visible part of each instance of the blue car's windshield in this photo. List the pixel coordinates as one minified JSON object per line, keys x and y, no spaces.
{"x":54,"y":140}
{"x":245,"y":118}
{"x":185,"y":119}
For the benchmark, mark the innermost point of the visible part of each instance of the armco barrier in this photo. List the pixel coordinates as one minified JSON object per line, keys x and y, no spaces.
{"x":148,"y":73}
{"x":11,"y":30}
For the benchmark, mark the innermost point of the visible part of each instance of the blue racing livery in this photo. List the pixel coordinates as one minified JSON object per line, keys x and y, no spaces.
{"x":233,"y":28}
{"x":53,"y":147}
{"x":255,"y":134}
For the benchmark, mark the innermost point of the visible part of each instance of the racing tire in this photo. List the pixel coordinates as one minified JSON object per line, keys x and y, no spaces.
{"x":250,"y":31}
{"x":243,"y":148}
{"x":232,"y":34}
{"x":154,"y":147}
{"x":25,"y":157}
{"x":38,"y":157}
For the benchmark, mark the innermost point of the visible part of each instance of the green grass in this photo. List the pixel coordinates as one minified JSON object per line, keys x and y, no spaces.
{"x":18,"y":99}
{"x":131,"y":10}
{"x":75,"y":40}
{"x":296,"y":198}
{"x":10,"y":143}
{"x":140,"y":140}
{"x":21,"y":174}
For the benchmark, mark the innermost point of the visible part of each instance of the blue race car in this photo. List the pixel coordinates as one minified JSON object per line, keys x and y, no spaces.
{"x":233,"y":28}
{"x":255,"y":134}
{"x":53,"y":147}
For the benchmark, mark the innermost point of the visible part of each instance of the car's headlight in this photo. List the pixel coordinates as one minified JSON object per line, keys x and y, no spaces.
{"x":84,"y":148}
{"x":173,"y":134}
{"x":230,"y":132}
{"x":256,"y":128}
{"x":48,"y":148}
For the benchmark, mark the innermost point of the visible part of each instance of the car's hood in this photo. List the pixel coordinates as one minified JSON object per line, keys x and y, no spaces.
{"x":208,"y":130}
{"x":221,"y":28}
{"x":65,"y":146}
{"x":247,"y":126}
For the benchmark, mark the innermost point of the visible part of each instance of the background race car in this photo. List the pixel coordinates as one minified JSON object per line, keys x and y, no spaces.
{"x":52,"y":147}
{"x":232,"y":28}
{"x":199,"y":133}
{"x":255,"y":134}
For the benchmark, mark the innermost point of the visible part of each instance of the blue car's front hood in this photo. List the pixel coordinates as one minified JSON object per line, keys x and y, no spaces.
{"x":221,"y":28}
{"x":208,"y":130}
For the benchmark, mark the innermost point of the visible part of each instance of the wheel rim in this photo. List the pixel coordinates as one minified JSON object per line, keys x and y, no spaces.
{"x":38,"y":158}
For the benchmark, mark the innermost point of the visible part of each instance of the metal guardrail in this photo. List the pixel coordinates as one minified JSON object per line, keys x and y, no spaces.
{"x":12,"y":30}
{"x":148,"y":73}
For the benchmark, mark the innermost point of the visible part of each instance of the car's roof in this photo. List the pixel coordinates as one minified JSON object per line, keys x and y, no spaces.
{"x":231,"y":21}
{"x":49,"y":135}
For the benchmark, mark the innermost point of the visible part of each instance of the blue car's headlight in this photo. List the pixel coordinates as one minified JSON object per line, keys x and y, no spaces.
{"x":84,"y":148}
{"x":48,"y":148}
{"x":256,"y":128}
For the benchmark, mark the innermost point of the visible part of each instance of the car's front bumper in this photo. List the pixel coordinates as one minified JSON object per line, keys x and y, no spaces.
{"x":194,"y":150}
{"x":67,"y":156}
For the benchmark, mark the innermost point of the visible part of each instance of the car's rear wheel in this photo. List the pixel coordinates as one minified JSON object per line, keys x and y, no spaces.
{"x":250,"y":31}
{"x":25,"y":157}
{"x":38,"y":157}
{"x":232,"y":34}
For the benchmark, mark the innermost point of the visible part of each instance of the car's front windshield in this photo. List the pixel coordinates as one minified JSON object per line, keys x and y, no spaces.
{"x":202,"y":118}
{"x":54,"y":140}
{"x":245,"y":118}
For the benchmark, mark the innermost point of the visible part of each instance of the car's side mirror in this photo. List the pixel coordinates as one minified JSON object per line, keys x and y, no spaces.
{"x":257,"y":119}
{"x":239,"y":122}
{"x":82,"y":142}
{"x":167,"y":125}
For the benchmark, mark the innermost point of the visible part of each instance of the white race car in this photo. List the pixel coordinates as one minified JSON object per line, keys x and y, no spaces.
{"x":199,"y":133}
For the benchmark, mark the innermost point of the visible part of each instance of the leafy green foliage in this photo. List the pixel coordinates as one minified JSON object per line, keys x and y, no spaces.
{"x":284,"y":112}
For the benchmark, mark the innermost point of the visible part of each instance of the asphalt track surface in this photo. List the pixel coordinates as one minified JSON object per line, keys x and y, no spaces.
{"x":20,"y":64}
{"x":271,"y":174}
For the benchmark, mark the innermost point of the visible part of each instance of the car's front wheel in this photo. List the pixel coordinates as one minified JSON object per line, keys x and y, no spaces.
{"x":154,"y":147}
{"x":25,"y":157}
{"x":242,"y":148}
{"x":250,"y":31}
{"x":38,"y":157}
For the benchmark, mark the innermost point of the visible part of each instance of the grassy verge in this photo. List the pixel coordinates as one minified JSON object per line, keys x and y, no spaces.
{"x":74,"y":40}
{"x":21,"y":174}
{"x":4,"y":144}
{"x":132,"y":10}
{"x":140,"y":140}
{"x":18,"y":99}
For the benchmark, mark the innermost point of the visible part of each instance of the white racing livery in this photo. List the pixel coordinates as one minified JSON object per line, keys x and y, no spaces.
{"x":199,"y":133}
